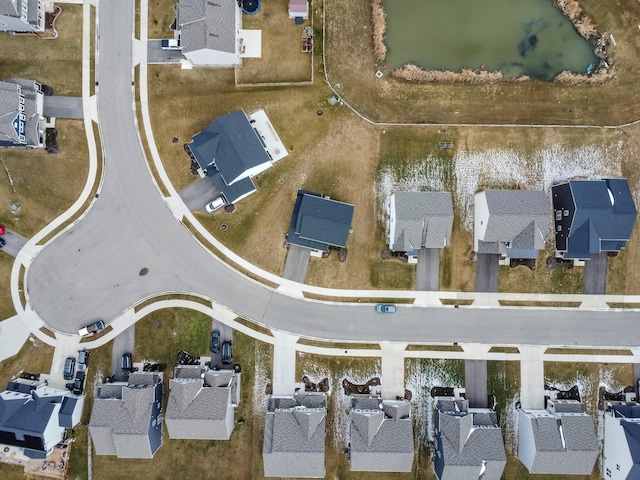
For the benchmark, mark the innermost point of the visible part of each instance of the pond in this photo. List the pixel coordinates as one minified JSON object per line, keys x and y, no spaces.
{"x":516,"y":37}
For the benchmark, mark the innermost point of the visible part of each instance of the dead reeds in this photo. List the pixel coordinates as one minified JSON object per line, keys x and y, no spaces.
{"x":413,"y":73}
{"x":598,"y":78}
{"x":379,"y":27}
{"x":583,"y":24}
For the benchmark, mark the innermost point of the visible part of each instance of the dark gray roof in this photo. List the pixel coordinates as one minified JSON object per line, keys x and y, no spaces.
{"x":202,"y":408}
{"x":227,"y":149}
{"x":564,"y":443}
{"x":294,"y":438}
{"x":20,"y":127}
{"x":318,"y":222}
{"x":127,"y":424}
{"x":596,"y":216}
{"x":206,"y":24}
{"x":518,"y":222}
{"x":422,"y":219}
{"x":466,"y":446}
{"x":381,"y":435}
{"x":8,"y":8}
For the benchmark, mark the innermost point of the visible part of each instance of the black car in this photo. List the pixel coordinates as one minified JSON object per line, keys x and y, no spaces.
{"x":69,"y":368}
{"x":2,"y":242}
{"x":78,"y":384}
{"x":215,"y":341}
{"x":126,"y":364}
{"x":226,"y":353}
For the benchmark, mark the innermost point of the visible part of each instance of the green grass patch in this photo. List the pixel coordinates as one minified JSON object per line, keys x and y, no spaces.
{"x":341,"y":346}
{"x":586,"y":351}
{"x":434,"y":348}
{"x":504,"y":350}
{"x":254,"y":326}
{"x":177,"y":296}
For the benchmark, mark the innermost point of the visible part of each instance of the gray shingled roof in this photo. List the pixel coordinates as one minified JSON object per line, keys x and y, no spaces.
{"x":563,"y":443}
{"x":381,"y":435}
{"x":468,"y":444}
{"x":205,"y":24}
{"x":121,"y":425}
{"x":202,"y":408}
{"x":10,"y":91}
{"x":520,"y":217}
{"x":422,"y":219}
{"x":7,"y":8}
{"x":294,"y":437}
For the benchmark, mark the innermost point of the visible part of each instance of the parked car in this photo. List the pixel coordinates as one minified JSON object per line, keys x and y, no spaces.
{"x":215,"y":341}
{"x":91,"y":329}
{"x":2,"y":242}
{"x":78,"y":384}
{"x":215,"y":204}
{"x":69,"y":368}
{"x":126,"y":364}
{"x":226,"y":353}
{"x":385,"y":308}
{"x":170,"y":44}
{"x":2,"y":230}
{"x":83,"y":359}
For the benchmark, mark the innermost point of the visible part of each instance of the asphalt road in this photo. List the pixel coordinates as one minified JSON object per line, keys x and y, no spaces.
{"x":129,"y":246}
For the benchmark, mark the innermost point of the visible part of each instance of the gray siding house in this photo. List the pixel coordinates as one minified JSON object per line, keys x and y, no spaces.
{"x":622,"y":442}
{"x":381,"y":435}
{"x":21,"y":117}
{"x":22,"y":16}
{"x":202,"y":403}
{"x":419,"y":219}
{"x":469,"y":444}
{"x":126,"y":420}
{"x":512,"y":223}
{"x":558,"y":440}
{"x":294,"y":435}
{"x":34,"y":416}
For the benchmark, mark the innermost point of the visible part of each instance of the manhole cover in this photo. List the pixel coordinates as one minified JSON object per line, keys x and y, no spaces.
{"x":319,"y":112}
{"x":223,"y":227}
{"x":143,"y":271}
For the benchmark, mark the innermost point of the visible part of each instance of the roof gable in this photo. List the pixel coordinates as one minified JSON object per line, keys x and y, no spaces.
{"x":423,"y":219}
{"x":206,"y":24}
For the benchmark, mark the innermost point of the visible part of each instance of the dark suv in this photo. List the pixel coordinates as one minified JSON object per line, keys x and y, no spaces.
{"x":69,"y":368}
{"x":78,"y":384}
{"x":126,"y":364}
{"x":226,"y":353}
{"x":215,"y":341}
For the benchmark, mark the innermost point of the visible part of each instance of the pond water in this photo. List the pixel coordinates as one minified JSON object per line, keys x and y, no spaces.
{"x":516,"y":37}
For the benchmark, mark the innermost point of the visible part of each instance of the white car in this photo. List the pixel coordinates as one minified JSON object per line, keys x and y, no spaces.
{"x":215,"y":204}
{"x":91,"y":329}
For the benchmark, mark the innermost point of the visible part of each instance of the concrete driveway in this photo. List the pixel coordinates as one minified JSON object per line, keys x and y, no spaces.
{"x":595,"y":275}
{"x":198,"y":194}
{"x":155,"y":54}
{"x":226,"y":335}
{"x":14,"y":242}
{"x":487,"y":272}
{"x":295,"y":267}
{"x":428,"y":270}
{"x":123,"y":343}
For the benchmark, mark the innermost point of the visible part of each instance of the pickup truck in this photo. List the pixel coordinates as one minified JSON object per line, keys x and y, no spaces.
{"x":92,"y":329}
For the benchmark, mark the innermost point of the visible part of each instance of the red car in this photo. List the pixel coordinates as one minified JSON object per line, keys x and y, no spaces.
{"x":2,"y":230}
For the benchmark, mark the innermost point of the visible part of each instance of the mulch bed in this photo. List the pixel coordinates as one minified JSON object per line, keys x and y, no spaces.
{"x":321,"y":386}
{"x":530,"y":263}
{"x":352,"y":388}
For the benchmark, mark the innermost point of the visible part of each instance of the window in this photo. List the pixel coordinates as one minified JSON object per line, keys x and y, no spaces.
{"x":558,"y":215}
{"x":565,"y":213}
{"x":559,"y":228}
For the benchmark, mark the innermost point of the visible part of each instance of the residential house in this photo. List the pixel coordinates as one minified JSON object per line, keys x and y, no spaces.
{"x":34,"y":416}
{"x":558,"y":440}
{"x":21,"y":117}
{"x":294,"y":436}
{"x":209,"y":32}
{"x":202,"y":403}
{"x":512,"y":223}
{"x":126,"y":420}
{"x":622,"y":441}
{"x":298,"y":8}
{"x":318,"y":222}
{"x":419,"y":219}
{"x":22,"y":16}
{"x":235,"y":147}
{"x":380,"y":435}
{"x":468,"y":442}
{"x":592,"y":216}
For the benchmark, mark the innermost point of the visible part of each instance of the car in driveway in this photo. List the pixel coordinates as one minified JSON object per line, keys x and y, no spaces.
{"x":83,"y":359}
{"x":386,"y":308}
{"x":69,"y":368}
{"x":127,"y":362}
{"x":170,"y":44}
{"x":227,"y":355}
{"x":215,"y":341}
{"x":78,"y":383}
{"x":215,"y":204}
{"x":92,"y":329}
{"x":2,"y":230}
{"x":2,"y":242}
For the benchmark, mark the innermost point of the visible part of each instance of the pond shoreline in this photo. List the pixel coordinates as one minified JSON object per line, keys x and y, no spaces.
{"x":584,"y":26}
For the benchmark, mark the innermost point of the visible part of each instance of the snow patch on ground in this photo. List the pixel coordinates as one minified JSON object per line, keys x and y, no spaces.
{"x":509,"y":424}
{"x":499,"y":168}
{"x":260,"y":381}
{"x":421,"y":376}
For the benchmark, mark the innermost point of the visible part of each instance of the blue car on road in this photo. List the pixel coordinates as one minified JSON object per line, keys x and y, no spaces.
{"x":385,"y":308}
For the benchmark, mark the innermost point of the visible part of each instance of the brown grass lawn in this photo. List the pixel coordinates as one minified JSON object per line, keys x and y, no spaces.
{"x":6,"y":303}
{"x":45,"y":184}
{"x":56,"y":63}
